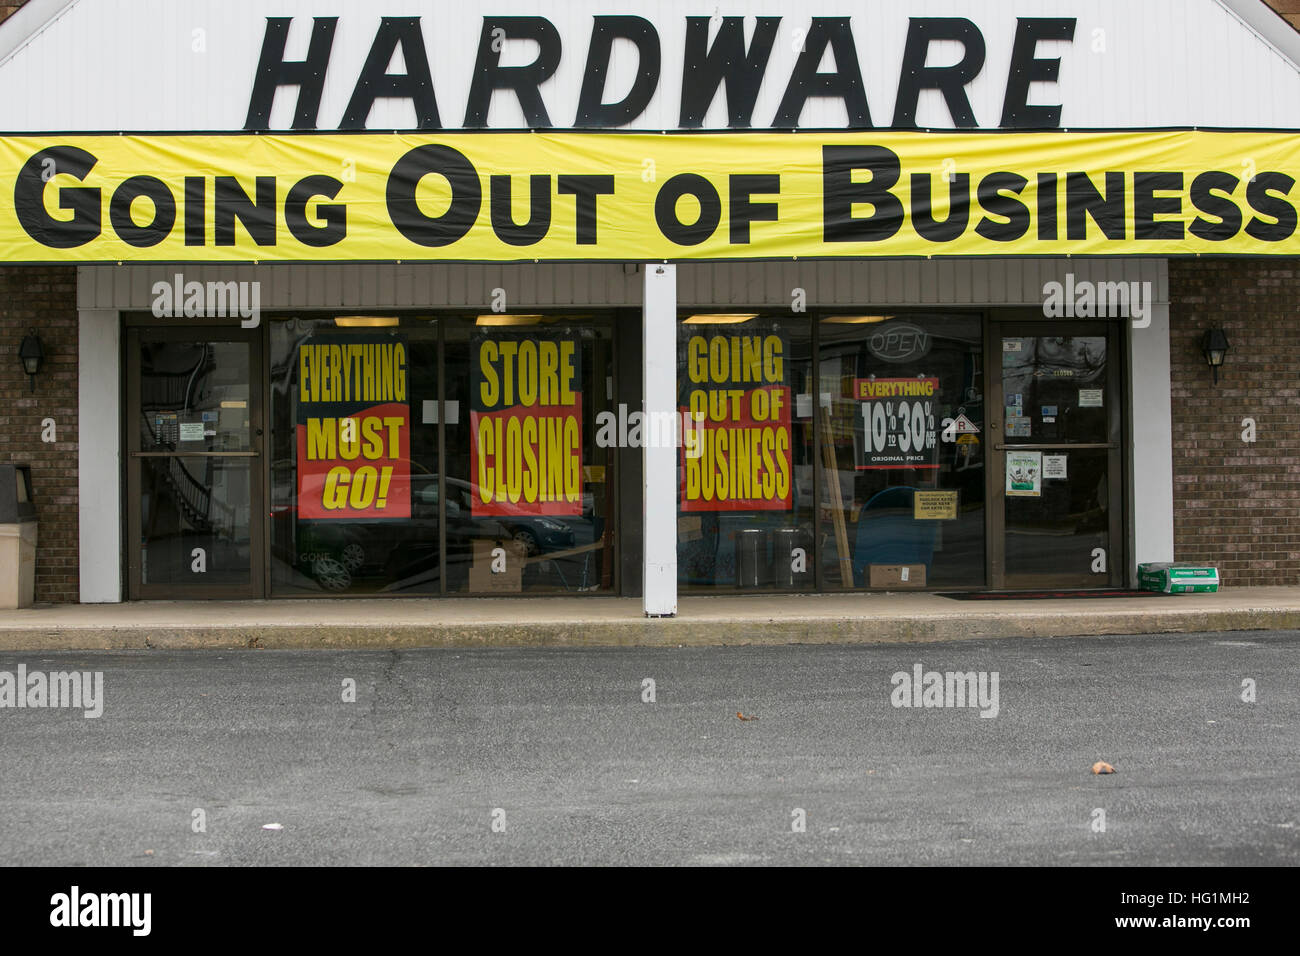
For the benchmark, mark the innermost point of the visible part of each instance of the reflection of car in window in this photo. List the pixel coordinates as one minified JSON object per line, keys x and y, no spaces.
{"x":336,"y":552}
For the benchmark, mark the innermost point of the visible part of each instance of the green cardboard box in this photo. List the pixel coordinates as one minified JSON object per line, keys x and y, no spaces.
{"x":1178,"y":578}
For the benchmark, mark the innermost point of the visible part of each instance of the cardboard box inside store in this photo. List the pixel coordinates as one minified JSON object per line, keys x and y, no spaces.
{"x":897,"y":575}
{"x":481,"y":576}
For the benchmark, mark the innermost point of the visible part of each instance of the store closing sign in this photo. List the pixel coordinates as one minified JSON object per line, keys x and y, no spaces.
{"x":593,"y":196}
{"x":736,"y":394}
{"x":354,"y":428}
{"x":526,"y":424}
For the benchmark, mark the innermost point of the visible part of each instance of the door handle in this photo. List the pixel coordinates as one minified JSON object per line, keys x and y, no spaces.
{"x":1080,"y":446}
{"x":195,"y":454}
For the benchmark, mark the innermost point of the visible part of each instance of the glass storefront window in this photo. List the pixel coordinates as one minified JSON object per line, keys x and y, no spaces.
{"x":354,"y":455}
{"x":530,"y":473}
{"x":362,"y":502}
{"x":902,"y":502}
{"x":745,"y":502}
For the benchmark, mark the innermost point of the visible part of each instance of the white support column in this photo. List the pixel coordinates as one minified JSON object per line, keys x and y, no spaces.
{"x":1153,"y":442}
{"x":99,"y":459}
{"x":659,"y":458}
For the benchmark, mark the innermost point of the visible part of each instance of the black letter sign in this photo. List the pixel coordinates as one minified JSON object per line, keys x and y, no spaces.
{"x":375,"y":82}
{"x":308,"y":75}
{"x":705,"y":68}
{"x":845,"y":83}
{"x":591,"y":111}
{"x":466,"y":195}
{"x":29,"y":198}
{"x":1025,"y":69}
{"x":949,"y":80}
{"x":490,"y":75}
{"x":840,"y":192}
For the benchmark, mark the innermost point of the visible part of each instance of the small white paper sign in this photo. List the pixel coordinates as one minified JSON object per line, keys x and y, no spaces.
{"x":803,"y":406}
{"x":191,"y":431}
{"x":1090,"y":398}
{"x":429,"y":412}
{"x":1054,"y":466}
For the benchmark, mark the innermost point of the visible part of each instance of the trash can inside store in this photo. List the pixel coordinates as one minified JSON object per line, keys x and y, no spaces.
{"x":17,"y":537}
{"x":784,"y":541}
{"x":751,"y":555}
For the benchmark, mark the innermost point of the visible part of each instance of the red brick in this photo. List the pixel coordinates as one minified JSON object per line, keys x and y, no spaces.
{"x":43,"y":298}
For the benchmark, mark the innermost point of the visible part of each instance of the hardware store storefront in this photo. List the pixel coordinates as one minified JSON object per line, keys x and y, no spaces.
{"x":317,"y":357}
{"x":379,"y":450}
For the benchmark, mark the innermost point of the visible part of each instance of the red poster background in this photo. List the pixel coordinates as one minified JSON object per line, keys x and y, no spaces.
{"x":745,"y":421}
{"x":312,"y":475}
{"x":503,"y":506}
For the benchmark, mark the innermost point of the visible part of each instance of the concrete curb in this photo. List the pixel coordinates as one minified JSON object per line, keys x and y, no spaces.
{"x":639,"y":632}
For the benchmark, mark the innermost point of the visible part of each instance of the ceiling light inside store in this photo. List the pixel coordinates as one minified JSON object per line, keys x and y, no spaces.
{"x":365,"y":321}
{"x":720,"y":318}
{"x":855,"y":319}
{"x":501,"y":318}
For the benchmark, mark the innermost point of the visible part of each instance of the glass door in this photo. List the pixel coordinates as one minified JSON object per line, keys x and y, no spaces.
{"x":1055,"y":422}
{"x":194,"y":466}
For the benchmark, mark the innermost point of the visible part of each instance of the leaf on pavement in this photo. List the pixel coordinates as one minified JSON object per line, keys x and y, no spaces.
{"x":741,"y":716}
{"x":1102,"y":767}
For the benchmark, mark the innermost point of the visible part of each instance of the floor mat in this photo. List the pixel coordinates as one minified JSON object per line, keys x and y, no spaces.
{"x":1043,"y":595}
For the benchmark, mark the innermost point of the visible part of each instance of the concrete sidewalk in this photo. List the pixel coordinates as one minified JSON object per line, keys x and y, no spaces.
{"x":573,"y":622}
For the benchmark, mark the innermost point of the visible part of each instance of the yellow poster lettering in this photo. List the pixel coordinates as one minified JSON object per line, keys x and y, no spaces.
{"x":549,"y":378}
{"x":773,"y":361}
{"x":488,"y":387}
{"x":783,"y":462}
{"x":769,"y":463}
{"x":507,"y":350}
{"x":487,"y":447}
{"x":321,"y":439}
{"x":567,"y":395}
{"x":554,"y":458}
{"x":530,"y":459}
{"x":530,"y":374}
{"x":353,"y":373}
{"x":394,"y":425}
{"x":305,"y":378}
{"x":514,"y":461}
{"x":742,"y":478}
{"x":399,"y":372}
{"x":573,"y":464}
{"x":527,"y":373}
{"x":335,"y":495}
{"x":371,"y":435}
{"x":334,"y":369}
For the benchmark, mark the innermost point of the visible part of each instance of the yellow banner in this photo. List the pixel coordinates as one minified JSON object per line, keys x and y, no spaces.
{"x":611,"y":196}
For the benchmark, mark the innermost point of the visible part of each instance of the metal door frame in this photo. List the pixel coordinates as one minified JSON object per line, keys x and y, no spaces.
{"x":258,"y":541}
{"x":1033,"y":324}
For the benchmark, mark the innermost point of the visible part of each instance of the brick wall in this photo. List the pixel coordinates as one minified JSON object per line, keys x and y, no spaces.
{"x":44,"y":298}
{"x":1290,"y":9}
{"x":1236,"y":504}
{"x":7,"y":7}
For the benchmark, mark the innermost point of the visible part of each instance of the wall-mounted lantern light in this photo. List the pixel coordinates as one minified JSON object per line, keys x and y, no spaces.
{"x":1215,"y":346}
{"x":32,"y":354}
